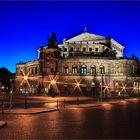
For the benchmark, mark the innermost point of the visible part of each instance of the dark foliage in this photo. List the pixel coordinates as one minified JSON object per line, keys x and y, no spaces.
{"x":5,"y":76}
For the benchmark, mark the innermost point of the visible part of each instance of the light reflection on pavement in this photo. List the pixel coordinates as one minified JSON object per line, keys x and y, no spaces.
{"x":120,"y":120}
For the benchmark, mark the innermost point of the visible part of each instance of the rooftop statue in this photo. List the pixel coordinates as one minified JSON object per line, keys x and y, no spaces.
{"x":52,"y":42}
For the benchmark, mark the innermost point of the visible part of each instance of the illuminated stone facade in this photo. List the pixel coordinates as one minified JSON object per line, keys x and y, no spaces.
{"x":94,"y":61}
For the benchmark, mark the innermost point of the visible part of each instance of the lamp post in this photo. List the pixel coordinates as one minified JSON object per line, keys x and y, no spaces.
{"x":138,"y":87}
{"x":53,"y":82}
{"x":2,"y":107}
{"x":116,"y":88}
{"x":101,"y":84}
{"x":124,"y":88}
{"x":77,"y":102}
{"x":101,"y":92}
{"x":92,"y":87}
{"x":25,"y":98}
{"x":11,"y":92}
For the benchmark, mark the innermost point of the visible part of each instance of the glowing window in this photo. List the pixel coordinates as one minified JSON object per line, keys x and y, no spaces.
{"x":93,"y":70}
{"x":83,"y":69}
{"x":66,"y":69}
{"x":102,"y":69}
{"x":74,"y":69}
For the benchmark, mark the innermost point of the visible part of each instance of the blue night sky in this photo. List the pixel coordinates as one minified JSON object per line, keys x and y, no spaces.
{"x":26,"y":25}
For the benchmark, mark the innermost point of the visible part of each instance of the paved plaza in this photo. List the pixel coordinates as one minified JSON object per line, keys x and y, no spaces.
{"x":111,"y":119}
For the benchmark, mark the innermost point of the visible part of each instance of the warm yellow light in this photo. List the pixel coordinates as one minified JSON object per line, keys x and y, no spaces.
{"x":53,"y":82}
{"x":77,"y":84}
{"x":25,"y":77}
{"x":123,"y":87}
{"x":93,"y":84}
{"x":2,"y":87}
{"x":124,"y":102}
{"x":134,"y":88}
{"x":116,"y":84}
{"x":106,"y":86}
{"x":106,"y":106}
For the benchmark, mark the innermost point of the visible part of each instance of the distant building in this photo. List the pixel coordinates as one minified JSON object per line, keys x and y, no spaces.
{"x":95,"y":62}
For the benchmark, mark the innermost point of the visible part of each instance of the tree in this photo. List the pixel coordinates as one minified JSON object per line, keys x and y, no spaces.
{"x":5,"y":76}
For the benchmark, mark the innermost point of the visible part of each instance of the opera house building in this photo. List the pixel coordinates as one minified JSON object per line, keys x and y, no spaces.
{"x":87,"y":64}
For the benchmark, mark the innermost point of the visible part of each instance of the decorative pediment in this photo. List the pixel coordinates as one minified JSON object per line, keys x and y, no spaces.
{"x":85,"y":37}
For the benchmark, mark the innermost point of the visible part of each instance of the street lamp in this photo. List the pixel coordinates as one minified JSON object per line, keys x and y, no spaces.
{"x":106,"y":87}
{"x":116,"y":88}
{"x":11,"y":92}
{"x":2,"y":90}
{"x":124,"y":90}
{"x":123,"y":87}
{"x":101,"y":92}
{"x":77,"y":85}
{"x":53,"y":82}
{"x":138,"y":87}
{"x":101,"y":84}
{"x":25,"y":78}
{"x":25,"y":98}
{"x":92,"y":87}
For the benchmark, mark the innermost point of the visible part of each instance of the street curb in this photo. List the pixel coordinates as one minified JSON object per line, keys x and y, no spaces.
{"x":88,"y":106}
{"x":2,"y":124}
{"x":30,"y":113}
{"x":83,"y":106}
{"x":99,"y":104}
{"x":39,"y":112}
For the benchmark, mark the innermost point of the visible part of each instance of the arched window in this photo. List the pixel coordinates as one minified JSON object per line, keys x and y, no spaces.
{"x":65,"y":49}
{"x":84,"y":49}
{"x":93,"y":70}
{"x":65,"y":69}
{"x":83,"y":69}
{"x":78,"y":49}
{"x":74,"y":69}
{"x":90,"y":49}
{"x":71,"y":49}
{"x":102,"y":69}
